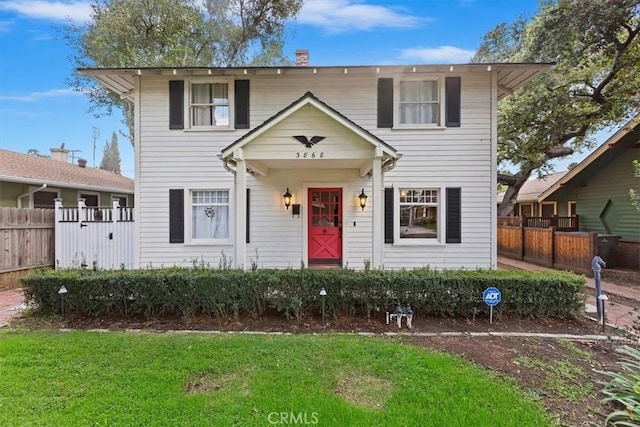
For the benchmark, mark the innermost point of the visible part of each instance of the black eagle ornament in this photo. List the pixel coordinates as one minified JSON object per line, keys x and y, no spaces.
{"x":304,"y":140}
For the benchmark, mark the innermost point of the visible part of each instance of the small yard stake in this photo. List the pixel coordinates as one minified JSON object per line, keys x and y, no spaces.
{"x":491,"y":315}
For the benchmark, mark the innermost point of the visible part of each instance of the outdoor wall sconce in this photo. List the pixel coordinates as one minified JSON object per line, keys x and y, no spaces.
{"x":287,"y":199}
{"x":363,"y":199}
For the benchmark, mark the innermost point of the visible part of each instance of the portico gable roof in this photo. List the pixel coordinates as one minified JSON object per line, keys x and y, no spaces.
{"x":309,"y":99}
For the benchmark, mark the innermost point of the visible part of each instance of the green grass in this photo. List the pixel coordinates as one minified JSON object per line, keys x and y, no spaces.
{"x":84,"y":378}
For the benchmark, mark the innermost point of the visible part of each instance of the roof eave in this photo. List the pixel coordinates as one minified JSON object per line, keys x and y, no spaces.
{"x":50,"y":183}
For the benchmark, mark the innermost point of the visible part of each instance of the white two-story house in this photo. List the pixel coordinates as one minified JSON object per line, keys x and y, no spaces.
{"x":388,"y":166}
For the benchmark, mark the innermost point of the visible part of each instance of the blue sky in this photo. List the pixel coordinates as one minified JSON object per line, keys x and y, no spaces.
{"x":39,"y":111}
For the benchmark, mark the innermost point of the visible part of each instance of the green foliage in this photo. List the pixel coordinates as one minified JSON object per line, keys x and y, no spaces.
{"x":111,"y":155}
{"x":633,"y":193}
{"x":624,"y":388}
{"x":593,"y":84}
{"x":226,"y":292}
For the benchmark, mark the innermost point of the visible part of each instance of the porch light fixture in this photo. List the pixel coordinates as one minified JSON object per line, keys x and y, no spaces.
{"x":287,"y":199}
{"x":363,"y":199}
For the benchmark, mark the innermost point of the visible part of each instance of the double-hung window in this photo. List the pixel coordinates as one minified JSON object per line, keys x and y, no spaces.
{"x":419,"y":213}
{"x":210,"y":214}
{"x":419,"y":102}
{"x":210,"y":105}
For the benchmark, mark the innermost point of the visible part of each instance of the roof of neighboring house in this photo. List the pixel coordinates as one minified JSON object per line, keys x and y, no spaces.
{"x":620,"y":137}
{"x":510,"y":75}
{"x":30,"y":169}
{"x":534,"y":187}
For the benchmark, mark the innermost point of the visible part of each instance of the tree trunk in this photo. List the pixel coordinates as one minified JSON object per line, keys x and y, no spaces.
{"x":511,"y":195}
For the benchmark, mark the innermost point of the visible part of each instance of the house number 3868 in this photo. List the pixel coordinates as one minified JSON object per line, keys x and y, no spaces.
{"x":312,"y":155}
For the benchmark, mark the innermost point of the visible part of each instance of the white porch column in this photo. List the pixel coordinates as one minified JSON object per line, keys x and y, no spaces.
{"x":241,"y":214}
{"x":377,"y":188}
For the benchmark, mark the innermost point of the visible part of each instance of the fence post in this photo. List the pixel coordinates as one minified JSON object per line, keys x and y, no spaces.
{"x":82,"y":210}
{"x":593,"y":249}
{"x":553,"y":245}
{"x":57,"y":240}
{"x":521,"y":254}
{"x":115,"y":210}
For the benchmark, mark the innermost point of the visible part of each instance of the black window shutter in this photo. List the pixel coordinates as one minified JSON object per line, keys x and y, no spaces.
{"x":176,"y":104}
{"x":385,"y":103}
{"x":388,"y":215}
{"x":176,"y":216}
{"x":242,"y":104}
{"x":248,"y":240}
{"x":452,"y":101}
{"x":454,"y":217}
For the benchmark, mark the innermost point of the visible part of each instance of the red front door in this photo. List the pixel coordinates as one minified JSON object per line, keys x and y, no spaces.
{"x":325,"y":226}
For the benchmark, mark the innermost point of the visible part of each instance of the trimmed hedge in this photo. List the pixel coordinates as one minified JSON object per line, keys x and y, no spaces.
{"x":153,"y":293}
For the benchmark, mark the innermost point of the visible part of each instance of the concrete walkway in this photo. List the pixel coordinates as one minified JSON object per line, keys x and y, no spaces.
{"x":624,"y":315}
{"x":11,"y":304}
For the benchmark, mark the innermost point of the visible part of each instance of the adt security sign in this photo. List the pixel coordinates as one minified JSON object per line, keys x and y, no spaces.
{"x":491,"y":296}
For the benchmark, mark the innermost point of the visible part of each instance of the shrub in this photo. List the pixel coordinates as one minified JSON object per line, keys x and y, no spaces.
{"x":294,"y":293}
{"x":624,"y":389}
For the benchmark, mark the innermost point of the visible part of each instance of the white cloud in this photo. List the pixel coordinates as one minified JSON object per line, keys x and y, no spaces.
{"x":336,"y":16}
{"x":49,"y":10}
{"x":440,"y":54}
{"x":39,"y":96}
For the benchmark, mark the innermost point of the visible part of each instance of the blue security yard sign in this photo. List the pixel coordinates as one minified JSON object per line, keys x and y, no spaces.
{"x":491,"y":296}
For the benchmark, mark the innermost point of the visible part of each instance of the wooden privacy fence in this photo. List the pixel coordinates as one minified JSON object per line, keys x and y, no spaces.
{"x":94,"y":237}
{"x":27,"y":242}
{"x":548,"y":247}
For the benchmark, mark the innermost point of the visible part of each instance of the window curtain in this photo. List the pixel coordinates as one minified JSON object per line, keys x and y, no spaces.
{"x":419,"y":102}
{"x":210,"y":222}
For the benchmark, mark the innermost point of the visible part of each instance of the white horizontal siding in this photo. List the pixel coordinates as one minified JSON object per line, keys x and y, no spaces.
{"x":453,"y":157}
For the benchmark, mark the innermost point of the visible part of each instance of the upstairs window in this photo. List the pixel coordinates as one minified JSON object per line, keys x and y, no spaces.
{"x":210,"y":105}
{"x":419,"y":102}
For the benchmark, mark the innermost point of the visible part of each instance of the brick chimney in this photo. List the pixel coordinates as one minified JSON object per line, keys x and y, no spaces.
{"x":82,"y":163}
{"x":302,"y":58}
{"x":60,"y":154}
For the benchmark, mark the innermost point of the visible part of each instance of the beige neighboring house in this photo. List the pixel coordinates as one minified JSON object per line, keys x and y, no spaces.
{"x":30,"y":181}
{"x":527,"y":202}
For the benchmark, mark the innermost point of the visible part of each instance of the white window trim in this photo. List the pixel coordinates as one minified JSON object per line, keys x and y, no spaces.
{"x":44,"y":190}
{"x":187,"y":108}
{"x":520,"y":205}
{"x":555,"y":207}
{"x":397,"y":240}
{"x":569,"y":207}
{"x":89,"y":193}
{"x":396,"y":101}
{"x":188,"y":223}
{"x":114,"y":196}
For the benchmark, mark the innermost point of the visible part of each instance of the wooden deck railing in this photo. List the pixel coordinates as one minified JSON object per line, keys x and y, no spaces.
{"x":561,"y":223}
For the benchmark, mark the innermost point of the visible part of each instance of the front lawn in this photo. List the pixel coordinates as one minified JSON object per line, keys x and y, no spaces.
{"x":89,"y":378}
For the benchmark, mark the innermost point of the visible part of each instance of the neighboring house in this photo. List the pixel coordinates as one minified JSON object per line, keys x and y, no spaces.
{"x":527,"y":203}
{"x":388,"y":166}
{"x":29,"y":181}
{"x":598,"y":190}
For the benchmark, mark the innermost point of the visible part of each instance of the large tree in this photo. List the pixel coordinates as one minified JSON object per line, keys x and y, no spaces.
{"x":111,"y":155}
{"x":593,"y":84}
{"x":168,"y":33}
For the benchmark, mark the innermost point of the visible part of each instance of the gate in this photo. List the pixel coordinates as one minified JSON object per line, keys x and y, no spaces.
{"x":94,"y":237}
